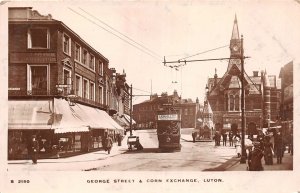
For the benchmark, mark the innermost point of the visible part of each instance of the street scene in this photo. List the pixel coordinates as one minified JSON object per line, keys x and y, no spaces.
{"x":192,"y":157}
{"x":88,"y":96}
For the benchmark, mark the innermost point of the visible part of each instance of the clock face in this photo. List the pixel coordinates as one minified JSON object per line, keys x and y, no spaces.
{"x":235,"y":48}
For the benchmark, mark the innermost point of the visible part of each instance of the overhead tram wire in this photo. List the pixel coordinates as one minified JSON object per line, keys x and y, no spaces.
{"x":91,"y":15}
{"x":185,"y":61}
{"x":204,"y":52}
{"x":141,"y":90}
{"x":155,"y":57}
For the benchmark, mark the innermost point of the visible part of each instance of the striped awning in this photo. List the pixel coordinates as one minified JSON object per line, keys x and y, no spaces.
{"x":29,"y":114}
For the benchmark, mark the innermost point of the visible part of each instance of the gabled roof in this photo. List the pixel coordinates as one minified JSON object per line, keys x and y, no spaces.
{"x":224,"y":82}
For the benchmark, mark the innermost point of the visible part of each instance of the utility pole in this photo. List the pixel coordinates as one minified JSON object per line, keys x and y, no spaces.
{"x":131,"y":110}
{"x":243,"y":157}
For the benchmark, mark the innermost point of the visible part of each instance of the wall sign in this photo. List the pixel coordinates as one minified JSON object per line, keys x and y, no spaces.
{"x":32,"y":57}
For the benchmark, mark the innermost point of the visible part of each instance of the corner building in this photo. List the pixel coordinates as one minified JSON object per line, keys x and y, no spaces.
{"x":59,"y":88}
{"x":262,"y":94}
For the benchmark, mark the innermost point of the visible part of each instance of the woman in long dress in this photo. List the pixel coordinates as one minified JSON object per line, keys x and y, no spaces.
{"x":268,"y":151}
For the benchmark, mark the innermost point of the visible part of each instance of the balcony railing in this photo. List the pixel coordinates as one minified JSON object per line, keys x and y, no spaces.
{"x":55,"y":93}
{"x":32,"y":92}
{"x":79,"y":99}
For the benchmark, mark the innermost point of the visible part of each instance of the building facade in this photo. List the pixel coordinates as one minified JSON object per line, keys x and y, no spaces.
{"x":145,"y":113}
{"x":287,"y":102}
{"x":51,"y":67}
{"x":262,"y":94}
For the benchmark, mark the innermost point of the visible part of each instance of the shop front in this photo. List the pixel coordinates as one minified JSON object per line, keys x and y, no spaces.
{"x":28,"y":119}
{"x":60,"y":128}
{"x":86,"y":126}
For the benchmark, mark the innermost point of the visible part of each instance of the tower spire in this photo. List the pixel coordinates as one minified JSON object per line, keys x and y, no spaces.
{"x":235,"y":31}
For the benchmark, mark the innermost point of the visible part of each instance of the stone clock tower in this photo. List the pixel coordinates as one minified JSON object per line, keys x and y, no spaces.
{"x":235,"y":47}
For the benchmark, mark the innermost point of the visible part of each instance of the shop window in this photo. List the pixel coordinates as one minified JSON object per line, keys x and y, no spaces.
{"x":38,"y":79}
{"x":38,"y":38}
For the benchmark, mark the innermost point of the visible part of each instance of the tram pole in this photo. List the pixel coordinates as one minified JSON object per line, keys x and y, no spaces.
{"x":243,"y":156}
{"x":130,"y":110}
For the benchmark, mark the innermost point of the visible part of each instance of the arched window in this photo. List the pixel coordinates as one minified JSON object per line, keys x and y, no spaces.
{"x":231,"y":102}
{"x":237,"y":103}
{"x":226,"y":102}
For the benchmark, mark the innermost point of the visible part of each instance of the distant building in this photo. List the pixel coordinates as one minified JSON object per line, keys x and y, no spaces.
{"x":145,"y":113}
{"x":262,"y":94}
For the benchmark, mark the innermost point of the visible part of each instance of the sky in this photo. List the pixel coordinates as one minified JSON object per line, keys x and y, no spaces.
{"x":178,"y":29}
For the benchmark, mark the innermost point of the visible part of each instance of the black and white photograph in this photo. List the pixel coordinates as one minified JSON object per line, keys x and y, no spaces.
{"x":149,"y":96}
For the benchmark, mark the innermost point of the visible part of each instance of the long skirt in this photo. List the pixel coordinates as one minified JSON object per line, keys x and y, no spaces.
{"x":268,"y":156}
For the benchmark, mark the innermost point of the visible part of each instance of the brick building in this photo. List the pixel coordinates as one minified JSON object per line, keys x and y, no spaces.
{"x":262,"y":94}
{"x":145,"y":113}
{"x":287,"y":101}
{"x":59,"y":87}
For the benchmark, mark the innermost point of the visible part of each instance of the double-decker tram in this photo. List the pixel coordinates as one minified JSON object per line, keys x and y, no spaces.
{"x":168,"y":129}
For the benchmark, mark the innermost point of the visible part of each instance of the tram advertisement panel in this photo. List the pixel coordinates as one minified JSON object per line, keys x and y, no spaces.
{"x":168,"y":130}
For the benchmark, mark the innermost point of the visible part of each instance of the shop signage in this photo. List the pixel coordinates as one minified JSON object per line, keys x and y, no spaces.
{"x":14,"y":88}
{"x":168,"y":117}
{"x":32,"y":57}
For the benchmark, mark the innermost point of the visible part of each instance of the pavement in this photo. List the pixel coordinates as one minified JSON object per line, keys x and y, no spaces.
{"x":234,"y":164}
{"x":287,"y":164}
{"x":78,"y":162}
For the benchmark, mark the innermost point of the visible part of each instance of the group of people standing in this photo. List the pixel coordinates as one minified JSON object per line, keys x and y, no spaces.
{"x":267,"y":147}
{"x":231,"y":138}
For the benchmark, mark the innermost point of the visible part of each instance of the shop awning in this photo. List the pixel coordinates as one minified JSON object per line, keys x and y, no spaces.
{"x":96,"y":118}
{"x":127,"y":117}
{"x":80,"y":118}
{"x":29,"y":114}
{"x":106,"y":117}
{"x":121,"y":121}
{"x":66,"y":119}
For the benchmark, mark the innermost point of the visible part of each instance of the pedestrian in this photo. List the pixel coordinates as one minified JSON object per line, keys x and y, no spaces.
{"x":194,"y":135}
{"x":219,"y":139}
{"x":230,"y":138}
{"x":216,"y":139}
{"x":255,"y":157}
{"x":34,"y":149}
{"x":238,"y":148}
{"x":249,"y":157}
{"x":290,"y":143}
{"x":268,"y":151}
{"x":279,"y":147}
{"x":109,"y":143}
{"x":224,"y":137}
{"x":119,"y":138}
